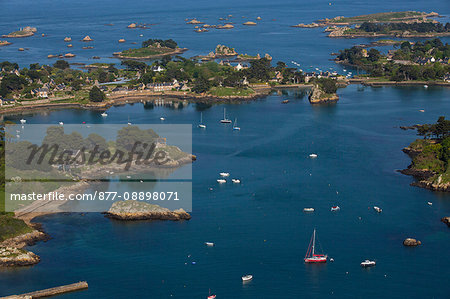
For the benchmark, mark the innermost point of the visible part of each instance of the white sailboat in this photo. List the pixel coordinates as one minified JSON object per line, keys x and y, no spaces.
{"x":235,"y":127}
{"x":225,"y":120}
{"x":104,"y":114}
{"x":23,"y":121}
{"x":201,"y":124}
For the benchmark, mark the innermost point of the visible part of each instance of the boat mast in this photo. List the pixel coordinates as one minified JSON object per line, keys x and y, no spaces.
{"x":314,"y":241}
{"x":224,"y":112}
{"x":201,"y":117}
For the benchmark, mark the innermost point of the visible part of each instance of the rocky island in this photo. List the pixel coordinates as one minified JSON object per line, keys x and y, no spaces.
{"x":152,"y":48}
{"x":136,"y":210}
{"x":23,"y":32}
{"x":430,"y":156}
{"x":383,"y":17}
{"x":323,"y":91}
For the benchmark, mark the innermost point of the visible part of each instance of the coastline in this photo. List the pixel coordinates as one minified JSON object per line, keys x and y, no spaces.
{"x":120,"y":99}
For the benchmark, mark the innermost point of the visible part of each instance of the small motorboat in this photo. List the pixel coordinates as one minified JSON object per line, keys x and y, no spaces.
{"x":129,"y":124}
{"x":209,"y":243}
{"x":421,"y":110}
{"x":378,"y":209}
{"x":247,"y":277}
{"x":221,"y":181}
{"x":23,"y":121}
{"x":224,"y":174}
{"x":430,"y":203}
{"x":61,"y":123}
{"x":368,"y":263}
{"x":308,"y":210}
{"x":331,"y":259}
{"x":335,"y":208}
{"x":425,"y":86}
{"x":236,"y":181}
{"x":162,"y":118}
{"x":285,"y":101}
{"x":104,"y":114}
{"x":313,"y":155}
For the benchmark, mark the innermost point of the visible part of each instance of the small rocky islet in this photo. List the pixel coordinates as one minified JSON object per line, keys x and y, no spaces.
{"x":137,"y":210}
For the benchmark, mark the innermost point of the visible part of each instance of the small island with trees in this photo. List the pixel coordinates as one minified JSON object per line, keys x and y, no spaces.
{"x":152,"y":48}
{"x":431,"y":156}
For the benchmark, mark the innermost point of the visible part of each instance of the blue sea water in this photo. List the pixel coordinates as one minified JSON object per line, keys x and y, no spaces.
{"x":258,"y":226}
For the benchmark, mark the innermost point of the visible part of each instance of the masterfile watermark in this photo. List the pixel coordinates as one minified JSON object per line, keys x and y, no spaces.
{"x":87,"y":167}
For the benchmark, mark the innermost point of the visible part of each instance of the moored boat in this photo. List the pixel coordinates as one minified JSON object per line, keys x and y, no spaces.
{"x":235,"y":127}
{"x":201,"y":125}
{"x":335,"y":208}
{"x":209,"y":243}
{"x":311,"y":255}
{"x":378,"y":209}
{"x":23,"y":121}
{"x":368,"y":263}
{"x":308,"y":210}
{"x":313,"y":155}
{"x":224,"y":174}
{"x":247,"y":277}
{"x":225,"y":120}
{"x":221,"y":181}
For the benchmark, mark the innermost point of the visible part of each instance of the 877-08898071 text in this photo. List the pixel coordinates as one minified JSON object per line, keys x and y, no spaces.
{"x":155,"y":196}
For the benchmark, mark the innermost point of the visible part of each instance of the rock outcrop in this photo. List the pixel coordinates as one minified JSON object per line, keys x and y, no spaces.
{"x":67,"y":39}
{"x":226,"y":26}
{"x":194,"y":21}
{"x":249,"y":23}
{"x":318,"y":96}
{"x":27,"y":239}
{"x":411,"y":242}
{"x":136,"y":210}
{"x":87,"y":38}
{"x":11,"y":256}
{"x":446,"y":220}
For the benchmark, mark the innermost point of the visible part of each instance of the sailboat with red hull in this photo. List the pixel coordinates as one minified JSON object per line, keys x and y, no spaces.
{"x":311,"y":255}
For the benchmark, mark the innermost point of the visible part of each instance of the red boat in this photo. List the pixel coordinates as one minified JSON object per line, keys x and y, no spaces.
{"x":211,"y":296}
{"x":311,"y":256}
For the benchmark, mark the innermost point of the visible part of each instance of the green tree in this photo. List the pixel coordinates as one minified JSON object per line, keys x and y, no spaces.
{"x":61,"y":64}
{"x":96,"y":95}
{"x":201,"y":85}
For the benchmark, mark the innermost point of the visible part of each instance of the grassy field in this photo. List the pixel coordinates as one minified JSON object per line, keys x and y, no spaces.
{"x":11,"y":227}
{"x":144,"y":52}
{"x":380,"y":17}
{"x":230,"y":91}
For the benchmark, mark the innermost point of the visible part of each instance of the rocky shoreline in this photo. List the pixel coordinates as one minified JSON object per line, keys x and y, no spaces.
{"x":425,"y":178}
{"x":12,"y":253}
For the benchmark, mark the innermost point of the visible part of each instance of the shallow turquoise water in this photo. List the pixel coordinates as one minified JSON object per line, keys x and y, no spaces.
{"x":258,"y":226}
